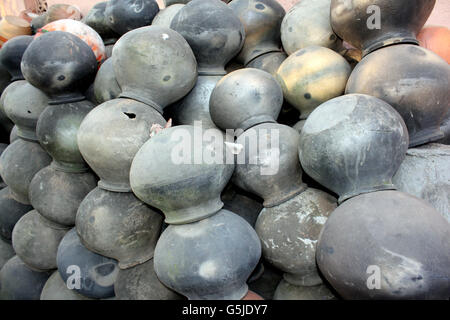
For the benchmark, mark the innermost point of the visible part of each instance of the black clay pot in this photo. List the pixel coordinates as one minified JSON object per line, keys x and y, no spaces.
{"x":6,"y":252}
{"x":269,"y":62}
{"x":165,"y":16}
{"x":56,"y":289}
{"x":12,"y":53}
{"x":105,"y":85}
{"x":97,"y":20}
{"x":10,"y":212}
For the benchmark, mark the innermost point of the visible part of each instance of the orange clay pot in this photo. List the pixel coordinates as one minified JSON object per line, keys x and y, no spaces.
{"x":436,"y":39}
{"x":11,"y":26}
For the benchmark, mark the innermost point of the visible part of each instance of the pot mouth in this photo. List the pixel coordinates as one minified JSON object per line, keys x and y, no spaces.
{"x":231,"y":293}
{"x":135,"y":261}
{"x":284,"y":196}
{"x":389,"y":42}
{"x":195,"y":213}
{"x":310,"y":279}
{"x":425,"y":136}
{"x":214,"y":71}
{"x":254,"y":121}
{"x":127,"y":94}
{"x":27,"y":134}
{"x":114,"y":187}
{"x":66,"y":98}
{"x":17,"y":77}
{"x":69,"y":167}
{"x":259,"y":53}
{"x":364,"y":190}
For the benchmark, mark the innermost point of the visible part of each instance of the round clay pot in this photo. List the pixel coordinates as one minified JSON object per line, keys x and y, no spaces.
{"x":105,"y":85}
{"x":10,"y":212}
{"x":6,"y":252}
{"x":165,"y":16}
{"x":287,"y":291}
{"x":11,"y":26}
{"x":12,"y":53}
{"x":56,"y":289}
{"x":269,"y":62}
{"x":58,"y":12}
{"x":96,"y":19}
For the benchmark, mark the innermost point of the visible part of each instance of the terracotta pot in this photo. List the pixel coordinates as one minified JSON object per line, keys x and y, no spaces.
{"x":11,"y":27}
{"x":436,"y":39}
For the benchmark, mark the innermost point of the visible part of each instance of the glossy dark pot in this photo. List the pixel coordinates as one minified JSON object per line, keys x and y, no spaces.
{"x":12,"y":53}
{"x":19,"y":282}
{"x":10,"y":212}
{"x":141,"y":283}
{"x":165,"y":16}
{"x":105,"y":84}
{"x":186,"y":188}
{"x":268,"y":165}
{"x":262,"y":22}
{"x":312,"y":76}
{"x":23,"y":105}
{"x":287,"y":291}
{"x":353,"y":144}
{"x":56,"y":289}
{"x":269,"y":62}
{"x":245,"y":98}
{"x":213,"y":31}
{"x":6,"y":252}
{"x":386,"y":240}
{"x":97,"y":20}
{"x":111,"y":134}
{"x":57,"y":130}
{"x":411,"y":79}
{"x":57,"y":194}
{"x":118,"y":225}
{"x":35,"y":240}
{"x":72,"y":69}
{"x":125,"y":15}
{"x":208,"y":259}
{"x":399,"y":21}
{"x":97,"y":273}
{"x":20,"y":161}
{"x":154,"y":65}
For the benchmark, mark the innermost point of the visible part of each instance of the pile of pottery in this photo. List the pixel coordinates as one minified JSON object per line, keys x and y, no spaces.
{"x":215,"y":150}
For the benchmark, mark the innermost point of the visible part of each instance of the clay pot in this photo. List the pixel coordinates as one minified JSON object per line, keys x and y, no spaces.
{"x":312,"y":76}
{"x":353,"y":144}
{"x":56,"y":289}
{"x":141,"y":283}
{"x":386,"y":240}
{"x":445,"y":128}
{"x":19,"y":282}
{"x":289,"y":234}
{"x":242,"y":205}
{"x":11,"y":27}
{"x":10,"y":212}
{"x":299,"y":126}
{"x":6,"y":252}
{"x":12,"y":53}
{"x":371,"y":25}
{"x":213,"y":31}
{"x":268,"y":166}
{"x":57,"y":130}
{"x":195,"y":106}
{"x":96,"y":273}
{"x":19,"y":163}
{"x":436,"y":39}
{"x":119,"y":226}
{"x":172,"y":2}
{"x":184,"y":185}
{"x":72,"y":69}
{"x":13,"y":135}
{"x":35,"y":240}
{"x":96,"y":19}
{"x":125,"y":15}
{"x":252,"y":296}
{"x":56,"y":194}
{"x":82,"y":31}
{"x":306,"y":24}
{"x":245,"y":98}
{"x":62,"y":11}
{"x":287,"y":291}
{"x":23,"y":105}
{"x":109,"y":137}
{"x":269,"y":62}
{"x":5,"y":78}
{"x":411,"y":79}
{"x":105,"y":84}
{"x":165,"y":16}
{"x":425,"y":173}
{"x":208,"y":259}
{"x":154,"y":65}
{"x":265,"y":286}
{"x":262,"y":21}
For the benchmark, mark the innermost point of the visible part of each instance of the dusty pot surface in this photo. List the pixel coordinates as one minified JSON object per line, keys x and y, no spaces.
{"x":213,"y":31}
{"x":10,"y":212}
{"x":11,"y":55}
{"x":289,"y":233}
{"x":141,"y":283}
{"x":387,"y":240}
{"x":72,"y":69}
{"x":287,"y":291}
{"x":123,"y":16}
{"x":306,"y":24}
{"x":118,"y":225}
{"x":165,"y":16}
{"x":85,"y":272}
{"x":262,"y":21}
{"x":97,"y":20}
{"x":411,"y":79}
{"x":312,"y":76}
{"x":36,"y":239}
{"x":370,"y":25}
{"x":56,"y":194}
{"x":154,"y":65}
{"x":105,"y":85}
{"x":245,"y":98}
{"x":111,"y":134}
{"x":268,"y":164}
{"x":208,"y":259}
{"x":6,"y":252}
{"x":56,"y":289}
{"x":20,"y":161}
{"x":269,"y":62}
{"x":19,"y":282}
{"x":184,"y":184}
{"x":353,"y":144}
{"x":23,"y":105}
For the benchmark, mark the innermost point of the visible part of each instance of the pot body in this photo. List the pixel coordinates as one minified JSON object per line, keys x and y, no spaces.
{"x":269,"y":62}
{"x":97,"y":20}
{"x":411,"y":79}
{"x":287,"y":291}
{"x":56,"y":289}
{"x":111,"y":134}
{"x":208,"y":259}
{"x":387,"y":240}
{"x":165,"y":16}
{"x":105,"y":84}
{"x":97,"y":273}
{"x":10,"y":212}
{"x":353,"y":144}
{"x":119,"y":226}
{"x":6,"y":252}
{"x":12,"y":53}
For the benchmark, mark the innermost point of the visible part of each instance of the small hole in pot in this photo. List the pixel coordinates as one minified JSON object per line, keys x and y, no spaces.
{"x":61,"y":78}
{"x":166,"y":78}
{"x":333,"y":37}
{"x":130,"y":115}
{"x":307,"y":96}
{"x":260,"y":6}
{"x":28,"y":111}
